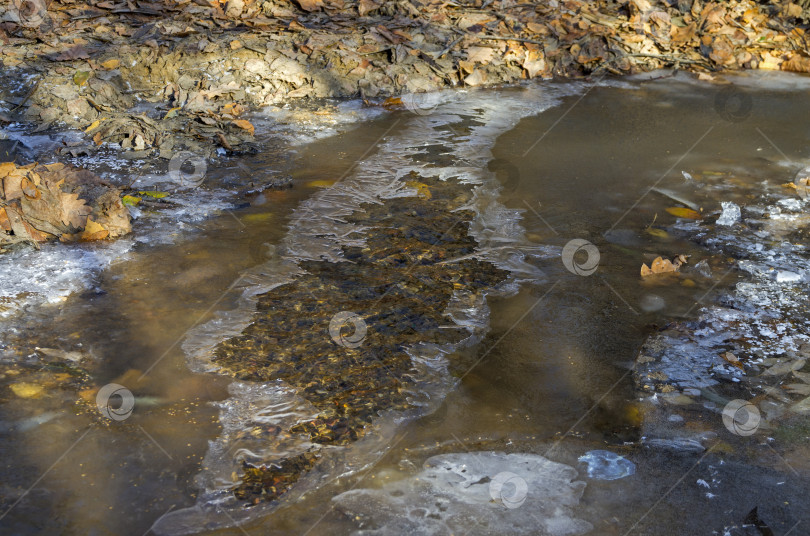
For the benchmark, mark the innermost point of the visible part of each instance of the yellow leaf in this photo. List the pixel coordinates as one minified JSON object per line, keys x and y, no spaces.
{"x":27,"y":390}
{"x":658,"y":233}
{"x":94,"y":231}
{"x":422,"y":189}
{"x":130,"y":200}
{"x":153,"y":194}
{"x":321,"y":184}
{"x":171,"y":113}
{"x":245,"y":124}
{"x":81,"y":77}
{"x":111,"y":64}
{"x":258,"y":218}
{"x":94,"y":125}
{"x":682,"y":212}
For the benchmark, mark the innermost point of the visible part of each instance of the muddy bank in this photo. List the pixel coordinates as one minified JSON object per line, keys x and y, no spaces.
{"x":158,"y":78}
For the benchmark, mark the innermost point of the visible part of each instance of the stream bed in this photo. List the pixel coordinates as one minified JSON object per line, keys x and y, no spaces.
{"x":431,"y":320}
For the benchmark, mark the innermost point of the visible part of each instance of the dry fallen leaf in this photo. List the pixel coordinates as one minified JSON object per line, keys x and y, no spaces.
{"x":663,"y":266}
{"x":245,"y":124}
{"x":310,"y":5}
{"x":480,"y":54}
{"x":366,"y":6}
{"x":111,"y":64}
{"x":74,"y":210}
{"x":94,"y":231}
{"x":731,"y":358}
{"x":797,"y":64}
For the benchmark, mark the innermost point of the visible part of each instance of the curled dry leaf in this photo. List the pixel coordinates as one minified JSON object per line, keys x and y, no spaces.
{"x":663,"y":266}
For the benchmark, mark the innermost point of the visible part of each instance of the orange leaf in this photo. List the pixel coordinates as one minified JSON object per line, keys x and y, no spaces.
{"x":245,"y":124}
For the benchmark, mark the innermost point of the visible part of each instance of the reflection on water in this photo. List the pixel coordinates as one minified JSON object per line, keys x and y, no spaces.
{"x":552,"y":377}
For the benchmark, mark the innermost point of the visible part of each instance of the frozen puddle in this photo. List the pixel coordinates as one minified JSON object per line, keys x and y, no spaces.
{"x":473,"y":493}
{"x":321,"y":231}
{"x":754,"y":342}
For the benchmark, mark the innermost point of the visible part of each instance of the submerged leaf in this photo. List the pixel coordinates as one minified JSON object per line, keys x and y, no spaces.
{"x":683,"y":212}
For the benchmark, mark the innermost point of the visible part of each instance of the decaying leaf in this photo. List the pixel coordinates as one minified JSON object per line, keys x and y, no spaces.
{"x":731,"y":358}
{"x":310,"y":5}
{"x":245,"y":125}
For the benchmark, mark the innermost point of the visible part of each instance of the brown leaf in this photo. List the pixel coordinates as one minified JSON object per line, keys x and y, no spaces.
{"x":310,"y":5}
{"x":663,"y":266}
{"x":480,"y":54}
{"x":245,"y":124}
{"x":74,"y":53}
{"x":367,"y":6}
{"x":797,"y":64}
{"x":731,"y":358}
{"x":5,"y":224}
{"x":476,"y":78}
{"x":74,"y":210}
{"x":682,"y":36}
{"x":534,"y":63}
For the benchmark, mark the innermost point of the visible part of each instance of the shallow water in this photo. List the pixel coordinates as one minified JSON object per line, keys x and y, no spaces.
{"x":550,"y":375}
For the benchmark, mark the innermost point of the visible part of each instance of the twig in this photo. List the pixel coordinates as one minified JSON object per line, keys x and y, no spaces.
{"x":501,"y":38}
{"x":449,"y":47}
{"x":673,"y":59}
{"x":30,"y":94}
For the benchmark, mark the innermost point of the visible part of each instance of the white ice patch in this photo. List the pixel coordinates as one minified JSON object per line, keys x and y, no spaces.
{"x":48,"y":276}
{"x":473,"y":493}
{"x":730,"y":215}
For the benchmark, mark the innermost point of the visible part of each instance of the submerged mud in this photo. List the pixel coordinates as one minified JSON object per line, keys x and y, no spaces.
{"x":399,"y":288}
{"x":352,"y":325}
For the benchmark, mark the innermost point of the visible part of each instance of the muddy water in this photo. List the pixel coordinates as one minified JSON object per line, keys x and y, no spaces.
{"x":548,"y":372}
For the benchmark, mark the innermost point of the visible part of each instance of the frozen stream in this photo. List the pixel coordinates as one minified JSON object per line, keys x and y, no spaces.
{"x":450,"y":318}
